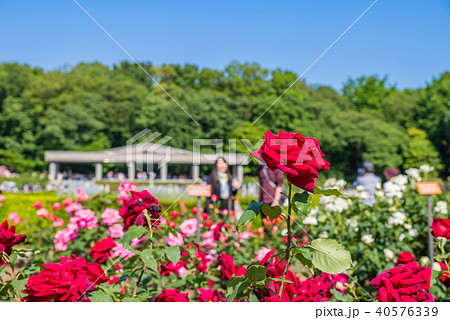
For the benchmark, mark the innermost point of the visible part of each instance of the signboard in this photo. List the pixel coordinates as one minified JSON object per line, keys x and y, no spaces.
{"x":428,"y":187}
{"x":199,"y":190}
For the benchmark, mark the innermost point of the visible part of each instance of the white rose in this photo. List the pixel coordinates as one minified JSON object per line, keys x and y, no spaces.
{"x":437,"y":267}
{"x":389,"y":255}
{"x":413,"y":233}
{"x":367,"y":239}
{"x":310,"y":220}
{"x":424,"y":260}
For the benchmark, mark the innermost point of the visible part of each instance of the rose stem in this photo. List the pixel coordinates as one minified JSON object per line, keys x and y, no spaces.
{"x":288,"y":248}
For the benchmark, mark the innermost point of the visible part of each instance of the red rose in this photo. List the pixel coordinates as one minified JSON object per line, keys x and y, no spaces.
{"x":441,"y":228}
{"x":405,"y":283}
{"x":405,"y":257}
{"x":227,"y":267}
{"x":202,"y":263}
{"x":208,"y":295}
{"x":8,"y":238}
{"x":101,"y":251}
{"x":445,"y":278}
{"x":169,"y":267}
{"x":133,"y":209}
{"x":172,"y":295}
{"x":300,"y":158}
{"x":240,"y":271}
{"x":208,"y":223}
{"x":68,"y":281}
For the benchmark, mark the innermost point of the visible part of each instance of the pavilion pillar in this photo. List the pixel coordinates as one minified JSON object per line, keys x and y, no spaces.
{"x":99,"y":171}
{"x":52,"y":168}
{"x":195,"y":172}
{"x":163,"y":171}
{"x":240,"y":174}
{"x":131,"y":171}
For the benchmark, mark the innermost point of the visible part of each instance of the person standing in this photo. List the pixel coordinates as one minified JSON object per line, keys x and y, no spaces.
{"x":223,"y":186}
{"x":369,"y":182}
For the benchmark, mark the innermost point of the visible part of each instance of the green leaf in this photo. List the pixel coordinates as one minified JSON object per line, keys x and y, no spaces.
{"x":100,"y":296}
{"x":256,"y":273}
{"x":253,"y":298}
{"x":330,"y":256}
{"x":302,"y":202}
{"x":13,"y":258}
{"x":271,"y":212}
{"x":233,"y":282}
{"x":129,"y":299}
{"x":303,"y":256}
{"x":173,"y":254}
{"x":341,"y":297}
{"x":132,"y":233}
{"x":18,"y":286}
{"x":234,"y":293}
{"x":238,"y":289}
{"x":327,"y":192}
{"x":149,"y":260}
{"x":252,"y":211}
{"x":277,"y":279}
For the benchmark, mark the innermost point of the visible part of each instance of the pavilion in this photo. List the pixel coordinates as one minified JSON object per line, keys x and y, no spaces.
{"x":138,"y":155}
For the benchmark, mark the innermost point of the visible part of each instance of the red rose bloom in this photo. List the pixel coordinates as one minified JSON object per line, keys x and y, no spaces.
{"x":312,"y":289}
{"x":202,"y":263}
{"x":405,"y":283}
{"x":134,"y":209}
{"x":169,"y":267}
{"x":240,"y":271}
{"x":441,"y":228}
{"x":405,"y":257}
{"x":8,"y":238}
{"x":101,"y":251}
{"x":445,"y":278}
{"x":208,"y":295}
{"x":300,"y":158}
{"x":67,"y":281}
{"x":172,"y":295}
{"x":227,"y":267}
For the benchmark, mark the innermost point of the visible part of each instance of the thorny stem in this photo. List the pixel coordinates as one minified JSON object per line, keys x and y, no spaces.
{"x":288,"y":248}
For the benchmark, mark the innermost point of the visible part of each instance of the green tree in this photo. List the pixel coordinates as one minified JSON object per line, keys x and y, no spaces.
{"x":367,"y":92}
{"x":420,"y":151}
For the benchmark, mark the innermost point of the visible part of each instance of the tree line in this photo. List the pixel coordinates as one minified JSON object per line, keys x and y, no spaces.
{"x":92,"y":106}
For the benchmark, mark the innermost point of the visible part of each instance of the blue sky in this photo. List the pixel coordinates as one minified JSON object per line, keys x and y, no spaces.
{"x":407,"y":40}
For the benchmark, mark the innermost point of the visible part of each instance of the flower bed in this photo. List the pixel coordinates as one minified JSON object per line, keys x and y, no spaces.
{"x":134,"y":249}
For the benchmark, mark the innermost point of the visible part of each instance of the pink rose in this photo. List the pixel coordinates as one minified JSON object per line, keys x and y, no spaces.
{"x":71,"y":208}
{"x":56,"y":206}
{"x":110,"y":217}
{"x":175,"y":241}
{"x":58,"y":222}
{"x":85,"y":219}
{"x":14,"y":217}
{"x":81,"y":195}
{"x":188,"y":227}
{"x":261,"y":253}
{"x":67,"y":201}
{"x":38,"y":205}
{"x":116,"y":231}
{"x":42,"y":213}
{"x":121,"y":251}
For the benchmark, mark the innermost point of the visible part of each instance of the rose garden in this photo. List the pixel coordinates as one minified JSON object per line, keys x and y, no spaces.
{"x":324,"y":245}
